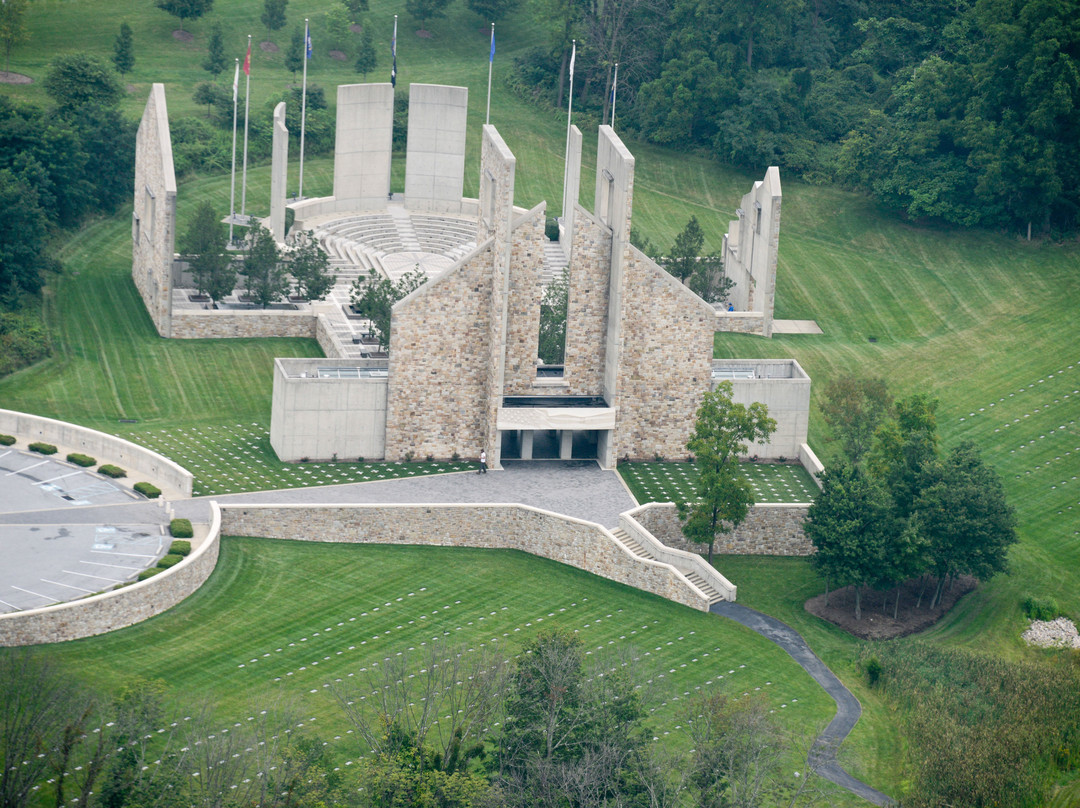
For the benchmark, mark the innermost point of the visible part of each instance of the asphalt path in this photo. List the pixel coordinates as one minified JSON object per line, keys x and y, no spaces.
{"x":822,"y":758}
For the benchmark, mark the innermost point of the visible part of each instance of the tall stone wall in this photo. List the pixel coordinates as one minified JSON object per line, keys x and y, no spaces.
{"x":587,"y":307}
{"x":569,"y":541}
{"x":435,"y":153}
{"x":523,"y":316}
{"x":364,"y":136}
{"x":571,"y":190}
{"x":202,"y":324}
{"x":751,"y":247}
{"x":438,"y":354}
{"x":153,"y":224}
{"x":665,"y":362}
{"x":769,"y":529}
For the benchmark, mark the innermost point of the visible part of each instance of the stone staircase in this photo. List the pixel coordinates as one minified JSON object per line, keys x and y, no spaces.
{"x":554,"y":262}
{"x":638,"y":549}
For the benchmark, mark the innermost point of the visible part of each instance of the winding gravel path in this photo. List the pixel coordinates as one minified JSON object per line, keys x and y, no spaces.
{"x":823,"y":753}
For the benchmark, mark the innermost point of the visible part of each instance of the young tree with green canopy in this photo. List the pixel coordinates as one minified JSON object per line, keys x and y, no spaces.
{"x":683,"y":256}
{"x":273,"y":15}
{"x":491,"y":10}
{"x":264,"y":276}
{"x":216,"y":60}
{"x":356,"y":9}
{"x":964,"y":513}
{"x":904,"y":446}
{"x":367,"y":57}
{"x":424,"y":10}
{"x":854,"y":407}
{"x":376,"y":297}
{"x":553,"y":307}
{"x":722,"y":434}
{"x":204,"y":241}
{"x":309,"y":266}
{"x":124,"y":50}
{"x":709,"y":281}
{"x":185,"y":9}
{"x":12,"y":27}
{"x":76,"y":81}
{"x":850,"y":524}
{"x":294,"y":53}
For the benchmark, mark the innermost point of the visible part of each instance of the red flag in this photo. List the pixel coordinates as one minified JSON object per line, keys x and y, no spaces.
{"x":247,"y":61}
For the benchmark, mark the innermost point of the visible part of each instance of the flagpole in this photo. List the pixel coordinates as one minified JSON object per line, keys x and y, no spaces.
{"x":247,"y":108}
{"x":491,"y":62}
{"x":303,"y":104}
{"x":614,"y":91}
{"x":393,"y":84}
{"x":232,"y":188}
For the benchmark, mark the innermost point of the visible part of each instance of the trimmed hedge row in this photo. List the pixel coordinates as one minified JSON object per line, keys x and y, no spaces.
{"x":148,"y":490}
{"x":81,"y":459}
{"x":110,"y":470}
{"x":43,"y":448}
{"x":181,"y":529}
{"x":180,"y":547}
{"x":7,"y":440}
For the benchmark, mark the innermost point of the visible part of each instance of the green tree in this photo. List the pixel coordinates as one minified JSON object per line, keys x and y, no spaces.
{"x":683,"y":256}
{"x":216,"y":60}
{"x":376,"y":297}
{"x":309,"y":266}
{"x":905,"y":447}
{"x":356,"y":9}
{"x":722,"y":431}
{"x":424,"y":10}
{"x":854,"y":407}
{"x":964,"y":513}
{"x":24,"y":231}
{"x":709,"y":281}
{"x":185,"y":9}
{"x":294,"y":53}
{"x":850,"y":524}
{"x":338,"y":29}
{"x":264,"y":275}
{"x":209,"y":94}
{"x":273,"y":15}
{"x":367,"y":58}
{"x":204,"y":242}
{"x":492,"y":10}
{"x":12,"y":27}
{"x":124,"y":50}
{"x":679,"y":108}
{"x":553,"y":308}
{"x":76,"y":81}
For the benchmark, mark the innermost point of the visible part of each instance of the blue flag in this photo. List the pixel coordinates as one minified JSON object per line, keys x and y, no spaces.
{"x":307,"y":40}
{"x":491,"y":58}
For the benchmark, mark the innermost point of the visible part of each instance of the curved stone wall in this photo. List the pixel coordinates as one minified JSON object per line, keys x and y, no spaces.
{"x":122,"y":607}
{"x":106,"y":448}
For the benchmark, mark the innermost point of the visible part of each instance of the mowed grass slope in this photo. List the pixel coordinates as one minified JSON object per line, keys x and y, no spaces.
{"x":299,"y":617}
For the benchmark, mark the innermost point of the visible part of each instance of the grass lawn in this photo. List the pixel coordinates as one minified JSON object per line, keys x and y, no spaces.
{"x":295,"y":617}
{"x":675,"y":482}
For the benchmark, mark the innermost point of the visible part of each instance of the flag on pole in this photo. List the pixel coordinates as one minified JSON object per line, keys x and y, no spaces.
{"x":491,"y":64}
{"x":236,"y":82}
{"x":247,"y":60}
{"x":573,"y":56}
{"x":491,"y":57}
{"x":393,"y":52}
{"x":307,"y":38}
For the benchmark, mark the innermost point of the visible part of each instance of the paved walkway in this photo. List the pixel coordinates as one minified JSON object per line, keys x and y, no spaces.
{"x":823,"y":753}
{"x":796,"y":327}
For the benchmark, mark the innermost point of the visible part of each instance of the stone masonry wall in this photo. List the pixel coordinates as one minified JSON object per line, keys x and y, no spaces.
{"x":587,"y":306}
{"x":199,"y":324}
{"x":438,"y":355}
{"x":117,"y":609}
{"x":740,"y":322}
{"x":769,"y":529}
{"x":324,"y":335}
{"x":516,"y":527}
{"x":523,"y":320}
{"x":663,"y":371}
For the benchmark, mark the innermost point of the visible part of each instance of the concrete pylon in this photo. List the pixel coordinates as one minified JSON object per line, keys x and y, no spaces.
{"x":279,"y":172}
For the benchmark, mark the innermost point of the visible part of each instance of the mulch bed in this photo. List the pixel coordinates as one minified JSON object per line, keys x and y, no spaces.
{"x":7,"y":77}
{"x":336,"y":54}
{"x":183,"y":36}
{"x":878,"y":626}
{"x":356,"y":29}
{"x":424,"y":34}
{"x":268,"y":47}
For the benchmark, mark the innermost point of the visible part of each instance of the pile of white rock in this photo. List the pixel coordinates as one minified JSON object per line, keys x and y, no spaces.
{"x":1060,"y":633}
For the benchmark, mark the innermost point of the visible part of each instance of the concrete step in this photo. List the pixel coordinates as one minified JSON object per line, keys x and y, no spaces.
{"x":704,"y":586}
{"x":632,"y":544}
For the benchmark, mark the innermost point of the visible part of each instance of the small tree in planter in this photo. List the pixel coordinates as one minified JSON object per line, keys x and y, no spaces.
{"x":265,"y":277}
{"x":204,"y":241}
{"x":309,"y":266}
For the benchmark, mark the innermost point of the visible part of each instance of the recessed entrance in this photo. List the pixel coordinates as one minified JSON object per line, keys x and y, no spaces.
{"x":550,"y":444}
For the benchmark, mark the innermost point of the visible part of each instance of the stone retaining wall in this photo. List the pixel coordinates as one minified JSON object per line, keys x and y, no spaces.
{"x":585,"y":545}
{"x":769,"y":529}
{"x":324,"y":335}
{"x":200,"y":324}
{"x":740,"y":322}
{"x":119,"y":608}
{"x":136,"y":460}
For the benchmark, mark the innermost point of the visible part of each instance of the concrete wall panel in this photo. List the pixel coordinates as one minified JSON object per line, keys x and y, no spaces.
{"x":365,"y":130}
{"x":435,"y":155}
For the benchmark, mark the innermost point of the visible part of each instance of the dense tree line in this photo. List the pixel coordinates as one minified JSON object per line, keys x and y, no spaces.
{"x":965,"y":111}
{"x":440,"y":727}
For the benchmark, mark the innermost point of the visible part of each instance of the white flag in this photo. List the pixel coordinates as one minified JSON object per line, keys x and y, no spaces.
{"x":573,"y":55}
{"x":236,"y":81}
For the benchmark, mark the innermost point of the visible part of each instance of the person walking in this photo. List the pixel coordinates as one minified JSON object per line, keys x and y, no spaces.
{"x":483,"y":463}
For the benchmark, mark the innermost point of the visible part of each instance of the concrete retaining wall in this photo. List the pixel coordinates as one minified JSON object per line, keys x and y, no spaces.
{"x":769,"y":529}
{"x":581,"y":544}
{"x":121,"y":607}
{"x":136,"y":460}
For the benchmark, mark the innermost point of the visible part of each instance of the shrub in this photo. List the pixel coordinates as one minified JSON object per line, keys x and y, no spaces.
{"x":455,"y":457}
{"x":43,"y":448}
{"x":150,"y":573}
{"x":170,"y":560}
{"x":409,"y":455}
{"x":81,"y":459}
{"x":551,"y":229}
{"x":873,"y":670}
{"x":110,"y":470}
{"x":1041,"y":608}
{"x":431,"y":458}
{"x":360,"y":459}
{"x":180,"y":529}
{"x":180,"y":547}
{"x":7,"y":440}
{"x":148,"y":490}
